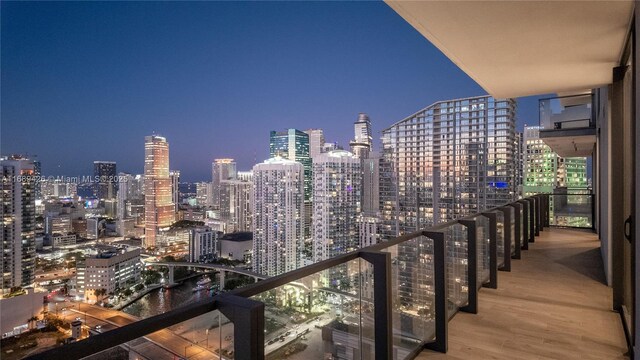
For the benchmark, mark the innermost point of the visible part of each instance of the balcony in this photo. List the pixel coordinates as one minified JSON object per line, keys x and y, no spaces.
{"x":567,"y":125}
{"x":554,"y":304}
{"x":518,"y":288}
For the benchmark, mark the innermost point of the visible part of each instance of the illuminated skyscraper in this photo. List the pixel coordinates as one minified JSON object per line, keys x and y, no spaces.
{"x":235,"y":204}
{"x":124,"y":188}
{"x":293,"y":144}
{"x":105,"y":186}
{"x":279,"y":212}
{"x":175,"y":187}
{"x":337,"y":186}
{"x":316,"y":141}
{"x":159,"y":209}
{"x":361,"y":144}
{"x":17,"y":237}
{"x":448,"y":160}
{"x":221,"y":169}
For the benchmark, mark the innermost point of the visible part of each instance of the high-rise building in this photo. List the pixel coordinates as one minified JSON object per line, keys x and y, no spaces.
{"x":221,"y":169}
{"x":371,"y":184}
{"x":235,"y":204}
{"x":175,"y":187}
{"x":293,"y":144}
{"x":245,"y":176}
{"x":37,"y":172}
{"x":337,"y":186}
{"x":279,"y":212}
{"x":316,"y":141}
{"x":105,"y":184}
{"x":361,"y":144}
{"x":124,"y":189}
{"x":545,"y":171}
{"x":369,"y":218}
{"x":519,"y":163}
{"x":448,"y":160}
{"x":204,"y":194}
{"x":18,"y":219}
{"x":159,"y":211}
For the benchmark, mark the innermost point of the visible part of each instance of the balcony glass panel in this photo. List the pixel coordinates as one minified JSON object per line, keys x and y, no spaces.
{"x":484,"y":253}
{"x":512,"y":215}
{"x":457,"y":266}
{"x":198,"y":338}
{"x":568,"y":112}
{"x":571,"y":210}
{"x":326,"y":315}
{"x":500,"y":236}
{"x":413,"y":299}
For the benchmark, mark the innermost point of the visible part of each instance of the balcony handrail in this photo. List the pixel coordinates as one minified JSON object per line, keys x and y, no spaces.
{"x":144,"y":327}
{"x":565,"y":96}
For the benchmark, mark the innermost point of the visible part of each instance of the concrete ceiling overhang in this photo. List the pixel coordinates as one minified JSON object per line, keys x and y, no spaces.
{"x":571,"y":146}
{"x":521,"y":48}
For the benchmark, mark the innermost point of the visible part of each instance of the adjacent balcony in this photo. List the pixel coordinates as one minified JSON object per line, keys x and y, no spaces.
{"x":500,"y":284}
{"x":568,"y":125}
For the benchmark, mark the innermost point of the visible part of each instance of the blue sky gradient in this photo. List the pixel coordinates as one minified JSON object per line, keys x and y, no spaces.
{"x":85,"y":81}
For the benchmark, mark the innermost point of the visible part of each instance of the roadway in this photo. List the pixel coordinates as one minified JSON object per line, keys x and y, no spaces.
{"x":166,"y":340}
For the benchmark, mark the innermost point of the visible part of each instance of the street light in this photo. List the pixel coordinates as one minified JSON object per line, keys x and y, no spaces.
{"x":207,"y":331}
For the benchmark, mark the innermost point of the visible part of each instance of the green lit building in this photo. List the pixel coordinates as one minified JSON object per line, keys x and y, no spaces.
{"x":566,"y":178}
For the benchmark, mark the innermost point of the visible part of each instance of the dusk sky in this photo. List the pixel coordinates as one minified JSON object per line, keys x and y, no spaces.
{"x":85,"y":81}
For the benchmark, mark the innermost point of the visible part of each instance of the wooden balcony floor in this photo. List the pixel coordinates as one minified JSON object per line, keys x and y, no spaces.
{"x":554,"y":304}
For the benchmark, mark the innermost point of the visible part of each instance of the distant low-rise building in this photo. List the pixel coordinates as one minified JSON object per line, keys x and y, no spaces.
{"x":60,"y":240}
{"x":236,"y":246}
{"x":109,"y":271}
{"x":202,"y":244}
{"x":17,"y":310}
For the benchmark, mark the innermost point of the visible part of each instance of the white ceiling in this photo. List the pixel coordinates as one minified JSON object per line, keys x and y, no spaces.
{"x":520,"y":48}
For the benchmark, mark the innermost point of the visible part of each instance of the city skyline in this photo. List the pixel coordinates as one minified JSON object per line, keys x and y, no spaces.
{"x":95,"y":107}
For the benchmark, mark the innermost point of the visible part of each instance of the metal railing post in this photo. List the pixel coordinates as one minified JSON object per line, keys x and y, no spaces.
{"x":493,"y":251}
{"x":247,"y":317}
{"x":506,"y":237}
{"x":440,"y":284}
{"x":517,"y":212}
{"x":383,"y":332}
{"x":472,"y":267}
{"x":532,"y":220}
{"x":525,"y":224}
{"x":536,"y":215}
{"x":540,"y":223}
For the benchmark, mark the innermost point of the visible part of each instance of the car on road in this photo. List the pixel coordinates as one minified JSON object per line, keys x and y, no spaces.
{"x":98,"y":327}
{"x":78,"y":318}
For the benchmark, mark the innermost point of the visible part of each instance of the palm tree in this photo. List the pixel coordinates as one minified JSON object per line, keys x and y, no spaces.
{"x":99,"y":293}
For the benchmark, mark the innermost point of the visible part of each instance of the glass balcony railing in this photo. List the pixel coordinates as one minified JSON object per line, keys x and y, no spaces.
{"x":572,"y":210}
{"x":567,"y":112}
{"x":386,"y":301}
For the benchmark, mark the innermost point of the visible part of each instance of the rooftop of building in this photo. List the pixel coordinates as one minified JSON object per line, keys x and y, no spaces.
{"x":238,"y":236}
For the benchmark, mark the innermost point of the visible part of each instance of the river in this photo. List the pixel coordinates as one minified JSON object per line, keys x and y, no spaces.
{"x":162,"y":300}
